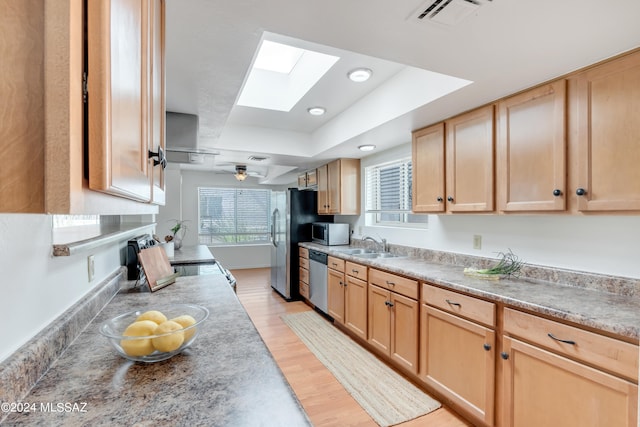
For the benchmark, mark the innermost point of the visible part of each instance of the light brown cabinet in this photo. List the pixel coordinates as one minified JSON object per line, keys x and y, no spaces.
{"x":356,"y":306}
{"x":348,"y":295}
{"x":303,"y":282}
{"x":453,"y":164}
{"x":393,"y":318}
{"x":606,"y":110}
{"x":126,"y":97}
{"x":336,"y":289}
{"x":564,"y":370}
{"x":532,"y":149}
{"x":457,"y":350}
{"x":339,"y":187}
{"x":42,"y":137}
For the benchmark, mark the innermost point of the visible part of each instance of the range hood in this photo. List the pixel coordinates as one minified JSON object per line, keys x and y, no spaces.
{"x":182,"y":139}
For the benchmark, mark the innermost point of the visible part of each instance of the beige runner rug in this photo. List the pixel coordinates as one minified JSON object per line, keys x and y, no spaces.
{"x":385,"y":395}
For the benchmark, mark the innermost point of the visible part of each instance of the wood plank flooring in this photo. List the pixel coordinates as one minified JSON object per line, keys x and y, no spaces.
{"x":323,"y":398}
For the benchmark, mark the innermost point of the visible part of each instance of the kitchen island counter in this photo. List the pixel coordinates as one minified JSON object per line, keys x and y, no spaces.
{"x":227,"y":376}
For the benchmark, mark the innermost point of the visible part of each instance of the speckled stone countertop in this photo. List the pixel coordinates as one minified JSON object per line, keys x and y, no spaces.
{"x":198,"y":254}
{"x":605,"y":311}
{"x":226,"y":378}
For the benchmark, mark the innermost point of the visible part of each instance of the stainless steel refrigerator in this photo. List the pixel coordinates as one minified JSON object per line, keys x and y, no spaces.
{"x":293,"y":211}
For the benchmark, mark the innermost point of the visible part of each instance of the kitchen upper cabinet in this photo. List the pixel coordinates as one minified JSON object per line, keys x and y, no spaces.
{"x":339,"y":187}
{"x":126,"y":97}
{"x":457,"y":350}
{"x":555,"y":374}
{"x":427,"y":175}
{"x":531,"y":150}
{"x":607,"y":107}
{"x":41,"y":134}
{"x":470,"y":161}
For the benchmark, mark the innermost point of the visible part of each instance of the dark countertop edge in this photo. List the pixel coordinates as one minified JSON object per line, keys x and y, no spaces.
{"x":192,"y":255}
{"x":454,"y":279}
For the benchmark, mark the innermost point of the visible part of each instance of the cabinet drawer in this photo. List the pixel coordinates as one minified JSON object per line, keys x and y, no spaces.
{"x":401,"y":285}
{"x":335,"y":263}
{"x":465,"y":306}
{"x":304,"y":263}
{"x":355,"y":270}
{"x":303,"y":252}
{"x":606,"y":353}
{"x":304,"y":290}
{"x":304,"y":275}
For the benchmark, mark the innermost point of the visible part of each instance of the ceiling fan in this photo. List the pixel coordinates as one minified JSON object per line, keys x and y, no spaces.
{"x":239,"y":171}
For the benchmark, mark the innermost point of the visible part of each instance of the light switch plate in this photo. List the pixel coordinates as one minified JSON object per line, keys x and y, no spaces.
{"x":477,"y":241}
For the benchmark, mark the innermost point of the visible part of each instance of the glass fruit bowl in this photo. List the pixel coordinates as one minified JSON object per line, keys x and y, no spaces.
{"x":155,"y":333}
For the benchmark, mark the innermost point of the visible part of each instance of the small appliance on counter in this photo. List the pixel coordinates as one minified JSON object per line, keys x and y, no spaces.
{"x":329,"y":234}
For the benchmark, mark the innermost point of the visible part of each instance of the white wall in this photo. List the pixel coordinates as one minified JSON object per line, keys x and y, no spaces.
{"x":36,"y":287}
{"x":182,"y":200}
{"x":606,"y":244}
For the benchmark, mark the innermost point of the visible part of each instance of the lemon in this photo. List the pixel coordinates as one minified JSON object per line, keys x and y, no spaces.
{"x":185,"y":321}
{"x":142,"y":346}
{"x":153,"y":315}
{"x":168,"y":342}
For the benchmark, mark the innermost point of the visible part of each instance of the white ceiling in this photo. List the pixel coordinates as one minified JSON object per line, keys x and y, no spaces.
{"x":506,"y":46}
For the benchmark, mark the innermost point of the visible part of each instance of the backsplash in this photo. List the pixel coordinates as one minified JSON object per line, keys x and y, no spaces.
{"x":599,"y":282}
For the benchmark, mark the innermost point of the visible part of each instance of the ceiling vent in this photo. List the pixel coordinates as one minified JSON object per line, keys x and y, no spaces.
{"x":257,"y":158}
{"x":447,"y":12}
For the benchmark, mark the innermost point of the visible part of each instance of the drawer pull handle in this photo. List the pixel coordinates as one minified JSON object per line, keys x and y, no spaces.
{"x":390,"y":283}
{"x":457,"y":304}
{"x":334,"y":264}
{"x":354,"y":271}
{"x":550,"y":335}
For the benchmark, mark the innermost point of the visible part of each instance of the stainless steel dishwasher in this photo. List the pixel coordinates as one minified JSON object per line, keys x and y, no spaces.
{"x":318,"y":279}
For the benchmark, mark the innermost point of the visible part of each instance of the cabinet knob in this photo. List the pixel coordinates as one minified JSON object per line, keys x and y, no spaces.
{"x":161,"y":158}
{"x":450,"y":199}
{"x":440,"y":199}
{"x":557,"y":192}
{"x":581,"y":191}
{"x":504,"y":355}
{"x":487,"y":346}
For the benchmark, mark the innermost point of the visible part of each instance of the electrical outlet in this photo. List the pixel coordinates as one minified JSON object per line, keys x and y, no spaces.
{"x":477,"y":241}
{"x":91,"y":267}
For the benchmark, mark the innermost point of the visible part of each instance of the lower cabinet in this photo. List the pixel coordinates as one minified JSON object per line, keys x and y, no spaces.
{"x":335,"y":291}
{"x":356,"y":306}
{"x":304,"y":272}
{"x":457,"y":354}
{"x":347,"y":295}
{"x":559,"y":377}
{"x":393,"y":318}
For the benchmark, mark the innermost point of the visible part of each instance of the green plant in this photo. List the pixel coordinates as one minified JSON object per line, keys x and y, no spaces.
{"x":179,"y":225}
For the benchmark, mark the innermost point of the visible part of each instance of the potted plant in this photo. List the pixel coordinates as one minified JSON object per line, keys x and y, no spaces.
{"x":178,"y":232}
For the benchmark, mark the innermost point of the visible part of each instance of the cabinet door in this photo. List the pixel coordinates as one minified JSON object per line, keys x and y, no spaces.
{"x":379,"y":335}
{"x":157,"y":98}
{"x":323,"y":188}
{"x":458,"y":360}
{"x":531,"y":150}
{"x":469,"y":162}
{"x":333,"y":187}
{"x":335,"y":295}
{"x":544,"y":389}
{"x":356,"y":306}
{"x":607,"y":136}
{"x":404,"y":331}
{"x":117,"y":81}
{"x":427,"y":174}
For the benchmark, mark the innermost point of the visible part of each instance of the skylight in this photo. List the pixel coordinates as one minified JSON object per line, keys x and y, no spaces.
{"x":281,"y":75}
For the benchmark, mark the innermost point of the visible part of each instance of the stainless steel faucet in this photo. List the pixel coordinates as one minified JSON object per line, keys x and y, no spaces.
{"x":381,"y":245}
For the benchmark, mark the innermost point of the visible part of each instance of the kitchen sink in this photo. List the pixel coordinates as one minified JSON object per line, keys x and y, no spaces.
{"x":356,"y":251}
{"x":376,"y":255}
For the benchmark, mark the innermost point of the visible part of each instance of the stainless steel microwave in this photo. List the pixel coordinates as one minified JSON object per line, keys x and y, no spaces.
{"x":327,"y":233}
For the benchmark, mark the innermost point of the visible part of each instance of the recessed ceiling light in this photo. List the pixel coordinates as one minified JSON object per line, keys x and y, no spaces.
{"x":367,"y":147}
{"x":316,"y":111}
{"x":360,"y":74}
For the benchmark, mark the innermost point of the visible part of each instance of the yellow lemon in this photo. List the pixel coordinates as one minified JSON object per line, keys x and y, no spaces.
{"x":185,"y":321}
{"x":142,"y":346}
{"x":153,"y":315}
{"x":168,"y":342}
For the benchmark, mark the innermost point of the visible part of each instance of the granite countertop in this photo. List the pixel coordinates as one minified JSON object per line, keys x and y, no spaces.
{"x":227,"y":376}
{"x":608,"y":312}
{"x":197,"y":254}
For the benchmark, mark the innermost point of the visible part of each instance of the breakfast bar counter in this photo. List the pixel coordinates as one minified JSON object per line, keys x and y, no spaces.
{"x":227,"y":377}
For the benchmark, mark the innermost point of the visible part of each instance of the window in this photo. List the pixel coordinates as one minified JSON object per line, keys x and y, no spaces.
{"x":230,"y":216}
{"x":388,"y":194}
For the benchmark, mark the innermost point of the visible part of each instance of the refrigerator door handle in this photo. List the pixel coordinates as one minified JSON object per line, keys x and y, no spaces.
{"x":274,"y":216}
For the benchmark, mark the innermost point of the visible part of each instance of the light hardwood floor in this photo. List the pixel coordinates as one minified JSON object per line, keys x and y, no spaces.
{"x":323,"y":398}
